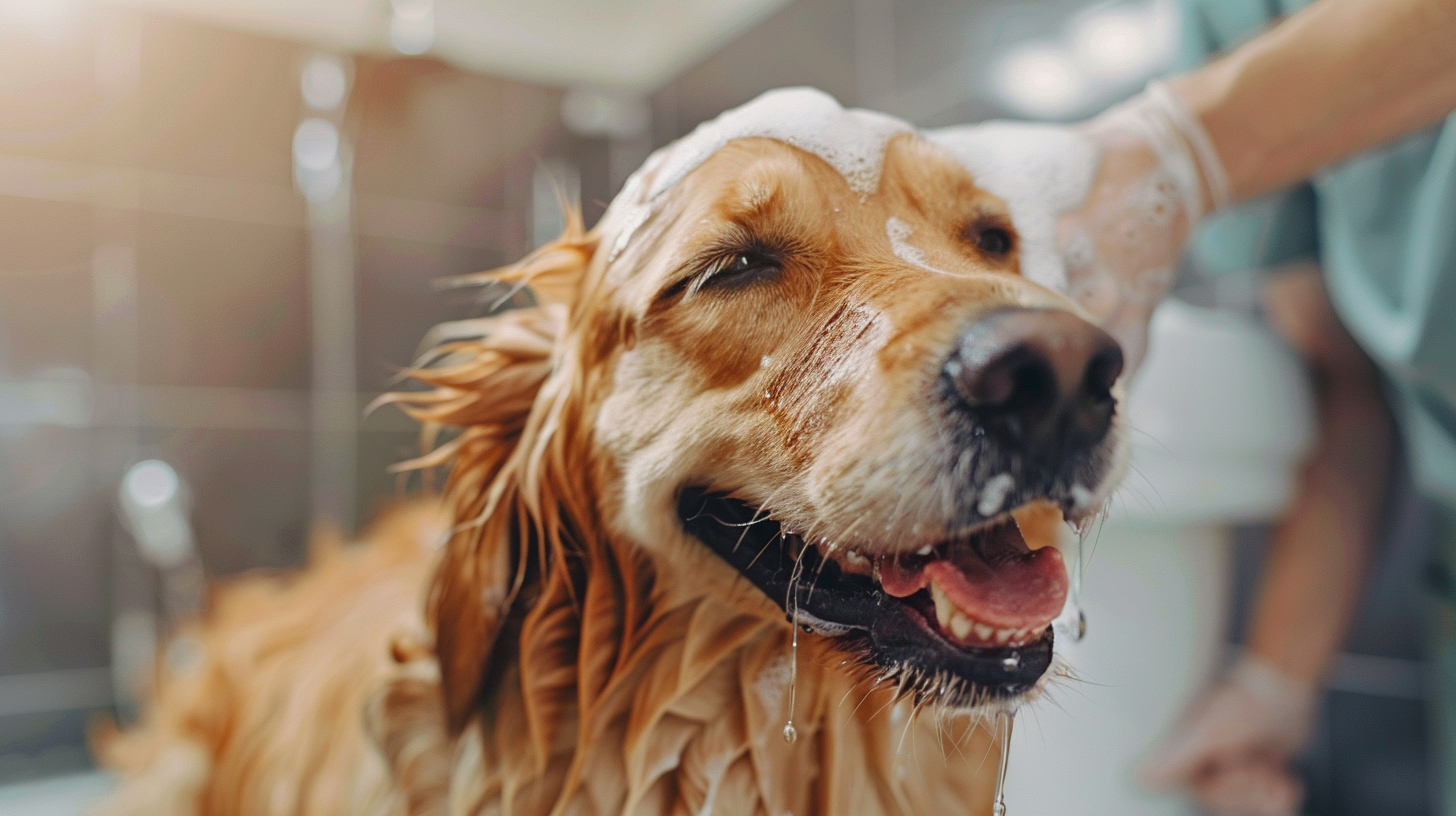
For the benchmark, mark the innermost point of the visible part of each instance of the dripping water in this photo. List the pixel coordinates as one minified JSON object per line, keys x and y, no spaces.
{"x":1078,"y":627}
{"x":792,"y":604}
{"x":1003,"y":728}
{"x":790,"y":732}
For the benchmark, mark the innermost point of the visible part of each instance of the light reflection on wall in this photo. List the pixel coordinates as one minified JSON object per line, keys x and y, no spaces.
{"x":43,"y":19}
{"x":161,"y":298}
{"x":412,"y":26}
{"x":1099,"y":55}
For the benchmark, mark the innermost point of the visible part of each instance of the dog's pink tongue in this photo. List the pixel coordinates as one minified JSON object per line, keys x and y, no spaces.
{"x":1015,"y":594}
{"x":1015,"y":589}
{"x":899,"y":579}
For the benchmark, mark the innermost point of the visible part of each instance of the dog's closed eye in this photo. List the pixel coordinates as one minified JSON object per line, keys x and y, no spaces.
{"x":741,"y":269}
{"x":730,"y":269}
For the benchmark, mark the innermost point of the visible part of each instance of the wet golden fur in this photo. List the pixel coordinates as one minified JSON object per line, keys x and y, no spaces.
{"x":576,"y":651}
{"x":260,"y":709}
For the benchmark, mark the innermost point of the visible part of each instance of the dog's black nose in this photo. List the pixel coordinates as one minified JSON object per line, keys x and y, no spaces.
{"x":1037,"y":377}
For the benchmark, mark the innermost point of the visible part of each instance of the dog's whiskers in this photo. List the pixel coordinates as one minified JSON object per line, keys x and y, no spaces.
{"x":905,"y":732}
{"x":818,"y":572}
{"x":761,"y":550}
{"x":760,"y":515}
{"x":749,"y":523}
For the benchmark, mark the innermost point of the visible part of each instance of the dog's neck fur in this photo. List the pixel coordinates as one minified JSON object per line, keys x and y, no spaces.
{"x":682,"y":711}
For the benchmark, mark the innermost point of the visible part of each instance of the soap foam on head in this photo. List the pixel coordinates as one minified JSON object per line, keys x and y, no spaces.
{"x":899,"y":234}
{"x":850,"y":141}
{"x":1040,"y":171}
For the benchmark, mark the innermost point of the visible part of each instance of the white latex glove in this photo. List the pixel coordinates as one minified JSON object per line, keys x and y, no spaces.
{"x":1233,"y":750}
{"x":1157,"y":175}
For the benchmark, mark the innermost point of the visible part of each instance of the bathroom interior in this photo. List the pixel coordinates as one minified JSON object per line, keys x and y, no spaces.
{"x":222,"y":222}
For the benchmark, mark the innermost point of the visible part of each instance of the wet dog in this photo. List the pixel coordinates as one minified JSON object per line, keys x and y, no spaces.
{"x":753,"y":512}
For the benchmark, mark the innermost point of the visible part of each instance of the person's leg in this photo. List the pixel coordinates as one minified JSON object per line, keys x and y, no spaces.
{"x":1443,"y":664}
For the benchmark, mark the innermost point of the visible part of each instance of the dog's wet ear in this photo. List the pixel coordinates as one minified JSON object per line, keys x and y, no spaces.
{"x":485,"y":372}
{"x":473,"y":418}
{"x":485,"y":376}
{"x":553,"y":272}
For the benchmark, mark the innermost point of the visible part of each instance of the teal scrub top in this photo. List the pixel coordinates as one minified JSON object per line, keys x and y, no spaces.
{"x":1382,"y":226}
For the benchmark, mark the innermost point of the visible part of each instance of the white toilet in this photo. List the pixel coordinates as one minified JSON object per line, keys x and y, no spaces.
{"x":1221,"y":417}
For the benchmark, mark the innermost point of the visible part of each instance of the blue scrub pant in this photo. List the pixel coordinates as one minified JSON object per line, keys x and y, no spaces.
{"x":1443,"y":660}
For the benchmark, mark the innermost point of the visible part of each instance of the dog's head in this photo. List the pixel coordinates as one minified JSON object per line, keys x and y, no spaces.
{"x":804,"y":348}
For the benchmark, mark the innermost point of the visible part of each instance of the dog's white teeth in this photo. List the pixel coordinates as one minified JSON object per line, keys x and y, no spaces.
{"x":856,"y":563}
{"x":944,"y":609}
{"x":1019,"y":637}
{"x":951,"y":620}
{"x":960,"y":626}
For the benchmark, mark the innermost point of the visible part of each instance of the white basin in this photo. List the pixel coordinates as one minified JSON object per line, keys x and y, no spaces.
{"x":1222,"y":416}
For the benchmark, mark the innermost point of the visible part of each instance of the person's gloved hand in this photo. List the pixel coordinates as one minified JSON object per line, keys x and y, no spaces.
{"x":1234,"y":748}
{"x":1157,"y":175}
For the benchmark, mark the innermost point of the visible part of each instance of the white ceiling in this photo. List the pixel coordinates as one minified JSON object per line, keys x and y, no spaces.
{"x":630,"y":44}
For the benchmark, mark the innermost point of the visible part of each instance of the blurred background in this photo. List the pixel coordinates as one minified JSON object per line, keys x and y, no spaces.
{"x":220,"y":221}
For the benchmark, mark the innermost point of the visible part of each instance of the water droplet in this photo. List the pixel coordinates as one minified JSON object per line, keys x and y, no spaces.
{"x":1011,"y":662}
{"x":1003,"y":722}
{"x":1080,"y":630}
{"x":792,"y":602}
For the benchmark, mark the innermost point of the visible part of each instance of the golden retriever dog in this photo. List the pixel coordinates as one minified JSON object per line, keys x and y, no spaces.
{"x":751,"y":513}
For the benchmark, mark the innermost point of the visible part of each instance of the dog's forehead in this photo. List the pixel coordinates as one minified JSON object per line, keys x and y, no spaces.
{"x":851,"y":141}
{"x":1039,"y":171}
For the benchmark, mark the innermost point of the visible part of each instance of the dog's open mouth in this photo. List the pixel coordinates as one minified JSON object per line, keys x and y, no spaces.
{"x":967,"y":620}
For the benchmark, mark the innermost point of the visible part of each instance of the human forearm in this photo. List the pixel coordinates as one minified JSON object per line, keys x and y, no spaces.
{"x":1319,"y":551}
{"x":1339,"y":77}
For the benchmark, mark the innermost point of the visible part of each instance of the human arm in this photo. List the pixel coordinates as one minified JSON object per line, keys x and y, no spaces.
{"x":1313,"y":574}
{"x":1338,"y":77}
